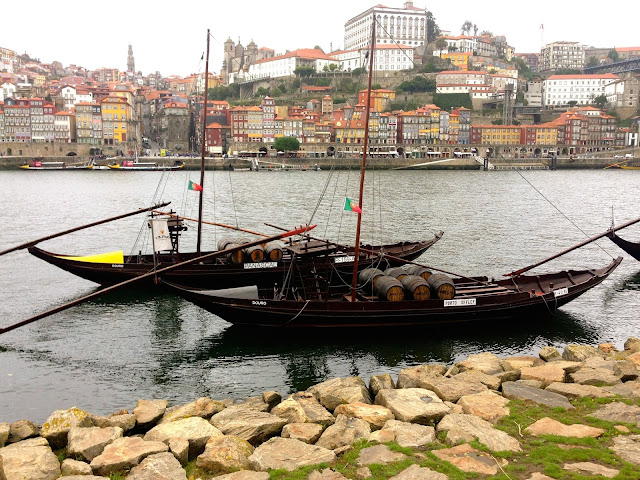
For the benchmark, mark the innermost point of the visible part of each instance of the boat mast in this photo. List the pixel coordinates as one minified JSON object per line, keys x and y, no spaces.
{"x":204,"y":129}
{"x":354,"y":283}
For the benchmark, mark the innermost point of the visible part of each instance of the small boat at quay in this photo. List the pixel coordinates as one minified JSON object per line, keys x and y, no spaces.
{"x":136,"y":165}
{"x":55,"y":165}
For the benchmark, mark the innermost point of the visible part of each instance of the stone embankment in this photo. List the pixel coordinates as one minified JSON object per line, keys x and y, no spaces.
{"x":446,"y":417}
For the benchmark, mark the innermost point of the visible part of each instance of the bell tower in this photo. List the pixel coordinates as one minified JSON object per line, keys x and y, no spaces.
{"x":131,"y":63}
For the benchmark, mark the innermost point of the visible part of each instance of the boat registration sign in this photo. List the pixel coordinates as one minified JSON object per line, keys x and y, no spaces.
{"x":460,"y":302}
{"x":560,"y":292}
{"x":346,"y":259}
{"x":248,"y":266}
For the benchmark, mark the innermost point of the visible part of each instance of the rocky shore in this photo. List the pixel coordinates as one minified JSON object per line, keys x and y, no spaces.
{"x":535,"y":418}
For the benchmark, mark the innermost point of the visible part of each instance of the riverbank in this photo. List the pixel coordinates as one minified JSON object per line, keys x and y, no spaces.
{"x":326,"y":163}
{"x":518,"y":417}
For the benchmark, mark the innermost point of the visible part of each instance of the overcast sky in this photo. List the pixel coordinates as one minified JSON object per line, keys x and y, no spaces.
{"x":170,"y":37}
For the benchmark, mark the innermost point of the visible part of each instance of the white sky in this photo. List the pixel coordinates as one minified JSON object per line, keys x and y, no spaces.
{"x":170,"y":37}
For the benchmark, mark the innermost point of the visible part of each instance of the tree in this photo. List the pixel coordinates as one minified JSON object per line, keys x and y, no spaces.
{"x":486,"y":32}
{"x":475,"y":30}
{"x":572,"y":103}
{"x":613,"y":55}
{"x":287,"y":144}
{"x":433,"y":30}
{"x":466,"y":27}
{"x":441,"y":44}
{"x":600,"y":101}
{"x":447,"y":101}
{"x":304,"y":71}
{"x":359,"y":70}
{"x":333,"y":67}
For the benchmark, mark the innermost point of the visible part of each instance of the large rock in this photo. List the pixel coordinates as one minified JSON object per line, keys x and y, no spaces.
{"x":57,"y":426}
{"x":548,"y":426}
{"x":291,"y":410}
{"x":632,"y":344}
{"x":492,"y":382}
{"x":486,"y":405}
{"x":161,"y":466}
{"x":412,"y":377}
{"x":468,"y":459}
{"x":594,"y":376}
{"x":579,"y":353}
{"x":495,"y":440}
{"x":550,"y":354}
{"x":374,"y":415}
{"x":326,"y":474}
{"x":149,"y":411}
{"x":413,"y":405}
{"x":5,"y":428}
{"x":618,"y":412}
{"x":314,"y":411}
{"x":548,"y":373}
{"x":627,"y":448}
{"x":203,"y":407}
{"x":485,"y":362}
{"x":574,"y":391}
{"x":305,"y":432}
{"x":289,"y":454}
{"x":244,"y":475}
{"x":124,"y":454}
{"x":627,"y":390}
{"x":520,"y":391}
{"x":21,"y":430}
{"x":380,"y":382}
{"x":344,"y":432}
{"x":71,"y":467}
{"x":416,"y":472}
{"x":379,"y":455}
{"x":590,"y":469}
{"x":194,"y":429}
{"x":88,"y":443}
{"x":126,"y":421}
{"x":254,"y":427}
{"x":451,"y":389}
{"x":405,"y":434}
{"x":30,"y":459}
{"x":341,"y":390}
{"x":516,"y":363}
{"x":225,"y":455}
{"x":626,"y":370}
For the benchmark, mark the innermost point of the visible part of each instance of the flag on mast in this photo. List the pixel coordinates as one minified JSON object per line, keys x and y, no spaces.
{"x":194,"y":186}
{"x":351,"y":206}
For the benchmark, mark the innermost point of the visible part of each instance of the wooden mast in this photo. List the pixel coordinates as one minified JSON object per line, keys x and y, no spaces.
{"x":204,"y":130}
{"x":354,"y":283}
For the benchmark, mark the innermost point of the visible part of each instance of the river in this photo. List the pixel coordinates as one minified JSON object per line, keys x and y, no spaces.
{"x":105,"y":354}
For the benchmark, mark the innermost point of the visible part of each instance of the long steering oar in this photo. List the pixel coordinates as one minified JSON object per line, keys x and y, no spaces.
{"x":581,"y":244}
{"x":296,"y":231}
{"x":107,"y":220}
{"x":216,"y":224}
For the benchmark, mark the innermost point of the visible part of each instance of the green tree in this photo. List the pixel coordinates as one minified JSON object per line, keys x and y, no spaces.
{"x":600,"y":101}
{"x":433,"y":30}
{"x":466,"y":27}
{"x":304,"y":71}
{"x":572,"y":103}
{"x":441,"y":44}
{"x":417,"y":84}
{"x":593,"y":62}
{"x":359,"y":70}
{"x":333,"y":67}
{"x":447,"y":101}
{"x":262,"y":92}
{"x":287,"y":144}
{"x":613,"y":55}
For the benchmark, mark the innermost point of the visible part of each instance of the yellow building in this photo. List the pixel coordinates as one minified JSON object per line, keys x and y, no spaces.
{"x":496,"y":134}
{"x":350,"y":132}
{"x":546,"y":134}
{"x":117,"y":116}
{"x":380,"y":98}
{"x":459,"y":59}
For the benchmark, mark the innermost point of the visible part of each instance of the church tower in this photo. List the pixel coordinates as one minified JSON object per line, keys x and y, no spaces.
{"x":131,"y":64}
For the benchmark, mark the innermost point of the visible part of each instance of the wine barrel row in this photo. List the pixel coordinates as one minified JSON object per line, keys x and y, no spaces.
{"x":271,"y":251}
{"x":394,"y":284}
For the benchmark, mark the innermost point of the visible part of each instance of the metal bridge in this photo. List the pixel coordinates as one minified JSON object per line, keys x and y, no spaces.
{"x":623,"y":66}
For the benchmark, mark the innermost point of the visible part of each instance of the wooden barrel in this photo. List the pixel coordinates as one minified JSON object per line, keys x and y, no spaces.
{"x":273,"y":251}
{"x":389,"y":288}
{"x":369,"y":275}
{"x":254,"y":254}
{"x":418,"y":270}
{"x":441,"y":286}
{"x":233,"y":257}
{"x":416,"y":287}
{"x":396,"y":272}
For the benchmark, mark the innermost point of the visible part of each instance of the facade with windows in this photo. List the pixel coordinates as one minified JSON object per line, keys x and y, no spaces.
{"x":387,"y":58}
{"x":116,"y":117}
{"x":406,"y":25}
{"x":581,"y":89}
{"x":562,"y":55}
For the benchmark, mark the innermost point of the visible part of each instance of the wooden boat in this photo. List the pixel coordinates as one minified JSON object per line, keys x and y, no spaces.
{"x":57,"y":165}
{"x":632,"y":248}
{"x":112,"y":268}
{"x":136,"y":165}
{"x":394,"y":298}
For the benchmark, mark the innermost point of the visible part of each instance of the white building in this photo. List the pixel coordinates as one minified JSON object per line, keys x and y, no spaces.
{"x":68,"y":95}
{"x":7,"y":90}
{"x":406,"y":25}
{"x":582,"y":89}
{"x":386,"y":58}
{"x":8,"y":60}
{"x":285,"y":65}
{"x":559,"y":55}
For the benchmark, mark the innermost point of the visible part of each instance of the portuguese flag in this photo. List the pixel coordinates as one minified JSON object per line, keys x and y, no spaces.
{"x":194,"y":186}
{"x":351,"y":206}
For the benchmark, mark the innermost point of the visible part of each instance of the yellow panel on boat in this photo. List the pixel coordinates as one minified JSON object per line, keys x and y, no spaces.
{"x":109,"y":257}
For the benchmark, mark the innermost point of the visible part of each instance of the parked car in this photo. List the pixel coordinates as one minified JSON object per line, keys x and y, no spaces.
{"x":629,"y":155}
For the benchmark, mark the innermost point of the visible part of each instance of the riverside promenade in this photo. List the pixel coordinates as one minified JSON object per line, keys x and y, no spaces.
{"x":560,"y":413}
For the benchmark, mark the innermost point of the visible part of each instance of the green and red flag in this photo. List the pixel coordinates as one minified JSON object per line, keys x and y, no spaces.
{"x":194,"y":186}
{"x":351,"y":206}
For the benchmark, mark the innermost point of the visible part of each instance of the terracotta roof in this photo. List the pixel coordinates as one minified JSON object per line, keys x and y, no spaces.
{"x":306,"y":53}
{"x":592,"y":76}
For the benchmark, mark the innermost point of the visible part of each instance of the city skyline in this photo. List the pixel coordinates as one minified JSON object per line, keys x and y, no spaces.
{"x":173,"y":42}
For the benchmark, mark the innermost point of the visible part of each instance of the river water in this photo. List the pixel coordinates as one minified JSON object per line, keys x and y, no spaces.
{"x":105,"y":354}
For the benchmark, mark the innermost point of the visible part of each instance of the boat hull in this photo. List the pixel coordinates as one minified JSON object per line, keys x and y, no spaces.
{"x":631,"y":248}
{"x":528,"y":295}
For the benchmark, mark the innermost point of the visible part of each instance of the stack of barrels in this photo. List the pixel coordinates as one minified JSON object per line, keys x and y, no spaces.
{"x":270,"y":251}
{"x":413,"y":283}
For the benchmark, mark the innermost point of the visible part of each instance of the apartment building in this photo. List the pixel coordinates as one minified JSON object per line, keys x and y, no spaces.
{"x":562,"y":55}
{"x":581,"y":89}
